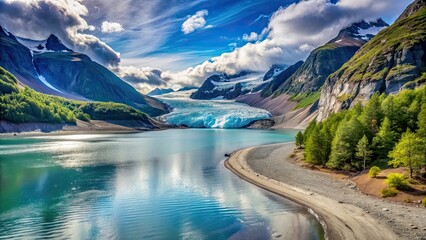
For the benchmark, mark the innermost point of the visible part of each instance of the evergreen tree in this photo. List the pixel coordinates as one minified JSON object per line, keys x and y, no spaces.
{"x":299,"y":140}
{"x":372,"y":115}
{"x":385,"y":140}
{"x":363,"y":152}
{"x":421,"y":132}
{"x":408,"y":152}
{"x":314,"y":151}
{"x":344,"y":144}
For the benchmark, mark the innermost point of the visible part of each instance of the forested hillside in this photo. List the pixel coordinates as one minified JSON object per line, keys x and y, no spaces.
{"x":386,"y":130}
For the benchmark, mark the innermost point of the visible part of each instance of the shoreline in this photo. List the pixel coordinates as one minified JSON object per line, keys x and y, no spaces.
{"x":340,"y":219}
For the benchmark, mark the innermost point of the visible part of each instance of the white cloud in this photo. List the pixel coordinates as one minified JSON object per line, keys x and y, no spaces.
{"x":38,"y":19}
{"x":143,"y":79}
{"x":195,"y":22}
{"x":111,"y":27}
{"x":292,"y":33}
{"x":251,"y":38}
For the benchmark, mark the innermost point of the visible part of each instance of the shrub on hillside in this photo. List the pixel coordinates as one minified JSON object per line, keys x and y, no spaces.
{"x":389,"y":192}
{"x":374,"y":171}
{"x":397,"y":180}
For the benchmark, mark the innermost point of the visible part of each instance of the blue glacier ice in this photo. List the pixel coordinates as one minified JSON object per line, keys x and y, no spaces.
{"x":210,"y":113}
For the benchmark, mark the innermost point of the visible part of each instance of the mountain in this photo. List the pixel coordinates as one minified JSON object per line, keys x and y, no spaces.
{"x":23,"y":109}
{"x":160,"y":91}
{"x":326,"y":59}
{"x":232,"y":86}
{"x":48,"y":66}
{"x":391,"y":61}
{"x":279,"y":79}
{"x":274,"y":71}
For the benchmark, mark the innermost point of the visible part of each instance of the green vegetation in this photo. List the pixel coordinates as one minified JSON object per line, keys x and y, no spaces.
{"x":363,"y":151}
{"x":342,"y":141}
{"x":305,"y":99}
{"x":374,"y":171}
{"x":397,"y":180}
{"x":299,"y":139}
{"x":409,"y":152}
{"x":21,"y":105}
{"x":368,"y":62}
{"x":424,"y":202}
{"x":389,"y":192}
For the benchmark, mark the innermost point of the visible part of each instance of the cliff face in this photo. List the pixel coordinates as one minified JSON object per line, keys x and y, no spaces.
{"x":393,"y":60}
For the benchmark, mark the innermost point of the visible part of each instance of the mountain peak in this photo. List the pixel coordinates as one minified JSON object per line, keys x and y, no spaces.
{"x":360,"y":32}
{"x":53,"y":43}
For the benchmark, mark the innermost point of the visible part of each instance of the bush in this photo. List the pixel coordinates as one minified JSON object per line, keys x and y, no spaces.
{"x":397,"y":180}
{"x":389,"y":192}
{"x":424,"y":201}
{"x":374,"y":171}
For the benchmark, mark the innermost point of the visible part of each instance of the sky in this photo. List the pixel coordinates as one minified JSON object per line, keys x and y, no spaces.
{"x":176,"y":43}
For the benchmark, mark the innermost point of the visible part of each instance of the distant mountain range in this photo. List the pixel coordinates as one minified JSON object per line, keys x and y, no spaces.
{"x":223,"y":86}
{"x":363,"y":59}
{"x":305,"y":78}
{"x":48,"y":66}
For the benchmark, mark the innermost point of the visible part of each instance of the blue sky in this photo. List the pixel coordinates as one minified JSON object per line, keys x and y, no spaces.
{"x":230,"y":20}
{"x":175,"y":43}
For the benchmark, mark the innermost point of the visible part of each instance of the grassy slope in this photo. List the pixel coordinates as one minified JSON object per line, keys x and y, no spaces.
{"x":26,"y":105}
{"x":402,"y":34}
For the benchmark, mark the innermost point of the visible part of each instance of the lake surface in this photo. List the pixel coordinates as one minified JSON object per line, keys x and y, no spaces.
{"x":154,"y":185}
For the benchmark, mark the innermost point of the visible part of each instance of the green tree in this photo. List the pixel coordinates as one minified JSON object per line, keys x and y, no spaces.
{"x":299,"y":139}
{"x":314,"y":148}
{"x":385,"y":139}
{"x":344,"y":144}
{"x":372,"y":115}
{"x":421,"y":132}
{"x":408,"y":152}
{"x":363,"y":152}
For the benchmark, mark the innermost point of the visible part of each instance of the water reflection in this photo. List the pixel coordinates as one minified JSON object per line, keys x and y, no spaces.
{"x":157,"y":185}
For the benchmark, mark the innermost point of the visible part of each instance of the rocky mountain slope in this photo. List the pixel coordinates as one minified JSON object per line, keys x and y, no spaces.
{"x":326,"y":59}
{"x":50,"y":67}
{"x":391,"y":61}
{"x":231,"y":86}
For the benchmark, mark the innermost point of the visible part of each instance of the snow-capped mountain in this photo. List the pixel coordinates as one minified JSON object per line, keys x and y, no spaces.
{"x":48,"y":66}
{"x":51,"y":44}
{"x":225,"y":86}
{"x":359,"y":33}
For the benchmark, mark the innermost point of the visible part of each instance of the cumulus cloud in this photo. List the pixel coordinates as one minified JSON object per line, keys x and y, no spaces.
{"x":143,"y":79}
{"x":291,"y":34}
{"x":111,"y":27}
{"x":195,"y":22}
{"x":37,"y":19}
{"x":251,"y":38}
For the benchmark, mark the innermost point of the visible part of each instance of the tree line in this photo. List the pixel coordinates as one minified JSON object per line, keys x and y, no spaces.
{"x":386,"y":130}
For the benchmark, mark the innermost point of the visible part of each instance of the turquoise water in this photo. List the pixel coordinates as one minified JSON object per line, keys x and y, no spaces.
{"x":154,"y":185}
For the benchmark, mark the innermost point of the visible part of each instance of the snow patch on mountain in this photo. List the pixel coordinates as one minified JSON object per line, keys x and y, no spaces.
{"x":44,"y":81}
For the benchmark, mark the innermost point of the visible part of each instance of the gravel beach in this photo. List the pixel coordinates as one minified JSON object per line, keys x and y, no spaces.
{"x":346,"y":212}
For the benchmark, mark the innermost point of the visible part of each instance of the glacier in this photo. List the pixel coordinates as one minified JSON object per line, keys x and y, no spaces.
{"x":209,"y":113}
